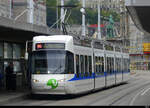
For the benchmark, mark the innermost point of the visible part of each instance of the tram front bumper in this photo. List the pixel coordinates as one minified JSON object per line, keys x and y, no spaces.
{"x":44,"y":89}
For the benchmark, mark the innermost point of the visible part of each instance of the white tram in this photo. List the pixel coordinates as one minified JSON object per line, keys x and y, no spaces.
{"x":63,"y":64}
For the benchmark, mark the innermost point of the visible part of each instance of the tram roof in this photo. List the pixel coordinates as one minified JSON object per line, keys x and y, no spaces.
{"x":79,"y":39}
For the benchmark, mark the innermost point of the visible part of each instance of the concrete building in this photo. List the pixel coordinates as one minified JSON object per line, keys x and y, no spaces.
{"x":139,"y":49}
{"x":5,"y":8}
{"x":20,"y":10}
{"x":139,"y":12}
{"x":105,"y":4}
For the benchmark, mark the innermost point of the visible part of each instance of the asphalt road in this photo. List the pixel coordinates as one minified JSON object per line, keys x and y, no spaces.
{"x":135,"y":92}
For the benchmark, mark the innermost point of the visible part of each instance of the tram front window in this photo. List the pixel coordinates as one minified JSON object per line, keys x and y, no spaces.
{"x":49,"y":62}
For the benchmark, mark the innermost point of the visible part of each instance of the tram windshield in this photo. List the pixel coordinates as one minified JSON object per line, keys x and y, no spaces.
{"x":50,"y":62}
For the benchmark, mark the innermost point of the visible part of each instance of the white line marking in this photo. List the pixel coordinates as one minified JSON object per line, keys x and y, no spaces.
{"x":145,"y":91}
{"x":132,"y":101}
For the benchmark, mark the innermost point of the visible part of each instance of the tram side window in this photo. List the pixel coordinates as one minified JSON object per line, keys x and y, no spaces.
{"x":90,"y":65}
{"x":97,"y":65}
{"x":108,"y":65}
{"x":77,"y":66}
{"x":112,"y":65}
{"x":100,"y":66}
{"x":86,"y":66}
{"x":120,"y":68}
{"x":70,"y":65}
{"x":82,"y":65}
{"x":124,"y":65}
{"x":102,"y":73}
{"x":128,"y":64}
{"x":110,"y":59}
{"x":117,"y":65}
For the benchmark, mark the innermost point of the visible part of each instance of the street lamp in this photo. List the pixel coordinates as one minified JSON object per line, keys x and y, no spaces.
{"x":82,"y":10}
{"x":31,"y":11}
{"x":99,"y":20}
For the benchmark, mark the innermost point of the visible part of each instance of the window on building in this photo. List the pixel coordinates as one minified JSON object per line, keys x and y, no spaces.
{"x":16,"y":51}
{"x":8,"y":51}
{"x":1,"y":50}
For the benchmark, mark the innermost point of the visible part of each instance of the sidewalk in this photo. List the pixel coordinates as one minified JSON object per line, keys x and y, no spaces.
{"x":140,"y":74}
{"x":11,"y":95}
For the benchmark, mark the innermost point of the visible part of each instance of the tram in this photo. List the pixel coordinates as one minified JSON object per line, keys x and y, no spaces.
{"x":64,"y":64}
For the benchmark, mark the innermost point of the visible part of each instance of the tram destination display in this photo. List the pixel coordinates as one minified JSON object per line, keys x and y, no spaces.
{"x":50,"y":46}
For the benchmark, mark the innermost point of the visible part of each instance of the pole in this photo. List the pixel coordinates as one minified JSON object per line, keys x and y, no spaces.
{"x":31,"y":9}
{"x":10,"y":8}
{"x":57,"y":13}
{"x":99,"y":20}
{"x":62,"y":14}
{"x":83,"y":19}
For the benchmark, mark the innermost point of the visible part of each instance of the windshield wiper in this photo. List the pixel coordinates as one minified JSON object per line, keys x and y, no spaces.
{"x":58,"y":68}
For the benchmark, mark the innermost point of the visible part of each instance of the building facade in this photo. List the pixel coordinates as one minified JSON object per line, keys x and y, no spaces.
{"x":5,"y":8}
{"x":20,"y":10}
{"x":105,"y":4}
{"x":14,"y":51}
{"x":139,"y":49}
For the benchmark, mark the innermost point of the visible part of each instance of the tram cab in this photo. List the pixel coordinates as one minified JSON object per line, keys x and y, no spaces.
{"x":52,"y":60}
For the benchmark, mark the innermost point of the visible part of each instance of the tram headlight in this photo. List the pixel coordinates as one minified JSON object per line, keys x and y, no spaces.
{"x":62,"y":80}
{"x":34,"y":80}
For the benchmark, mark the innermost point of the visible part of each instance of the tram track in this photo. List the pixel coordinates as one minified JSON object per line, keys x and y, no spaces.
{"x":129,"y":93}
{"x":128,"y":89}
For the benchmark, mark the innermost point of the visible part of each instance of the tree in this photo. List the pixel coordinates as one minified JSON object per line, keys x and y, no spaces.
{"x":51,"y":12}
{"x":73,"y":2}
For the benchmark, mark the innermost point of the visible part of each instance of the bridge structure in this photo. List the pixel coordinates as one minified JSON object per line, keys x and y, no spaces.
{"x":139,"y":12}
{"x":17,"y":31}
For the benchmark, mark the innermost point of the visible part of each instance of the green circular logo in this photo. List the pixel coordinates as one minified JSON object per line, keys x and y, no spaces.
{"x":53,"y":83}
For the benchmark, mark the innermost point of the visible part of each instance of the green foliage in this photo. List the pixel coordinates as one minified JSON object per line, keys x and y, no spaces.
{"x":73,"y":2}
{"x":76,"y":16}
{"x":116,"y":16}
{"x":91,"y":16}
{"x":51,"y":3}
{"x":51,"y":12}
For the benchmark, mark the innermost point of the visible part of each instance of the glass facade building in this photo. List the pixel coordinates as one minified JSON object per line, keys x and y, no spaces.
{"x":12,"y":52}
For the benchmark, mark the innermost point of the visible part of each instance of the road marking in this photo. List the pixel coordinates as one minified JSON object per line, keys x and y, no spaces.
{"x":145,"y":91}
{"x":134,"y":98}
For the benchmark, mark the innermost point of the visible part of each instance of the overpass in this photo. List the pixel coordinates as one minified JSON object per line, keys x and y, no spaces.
{"x":17,"y":31}
{"x":139,"y":11}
